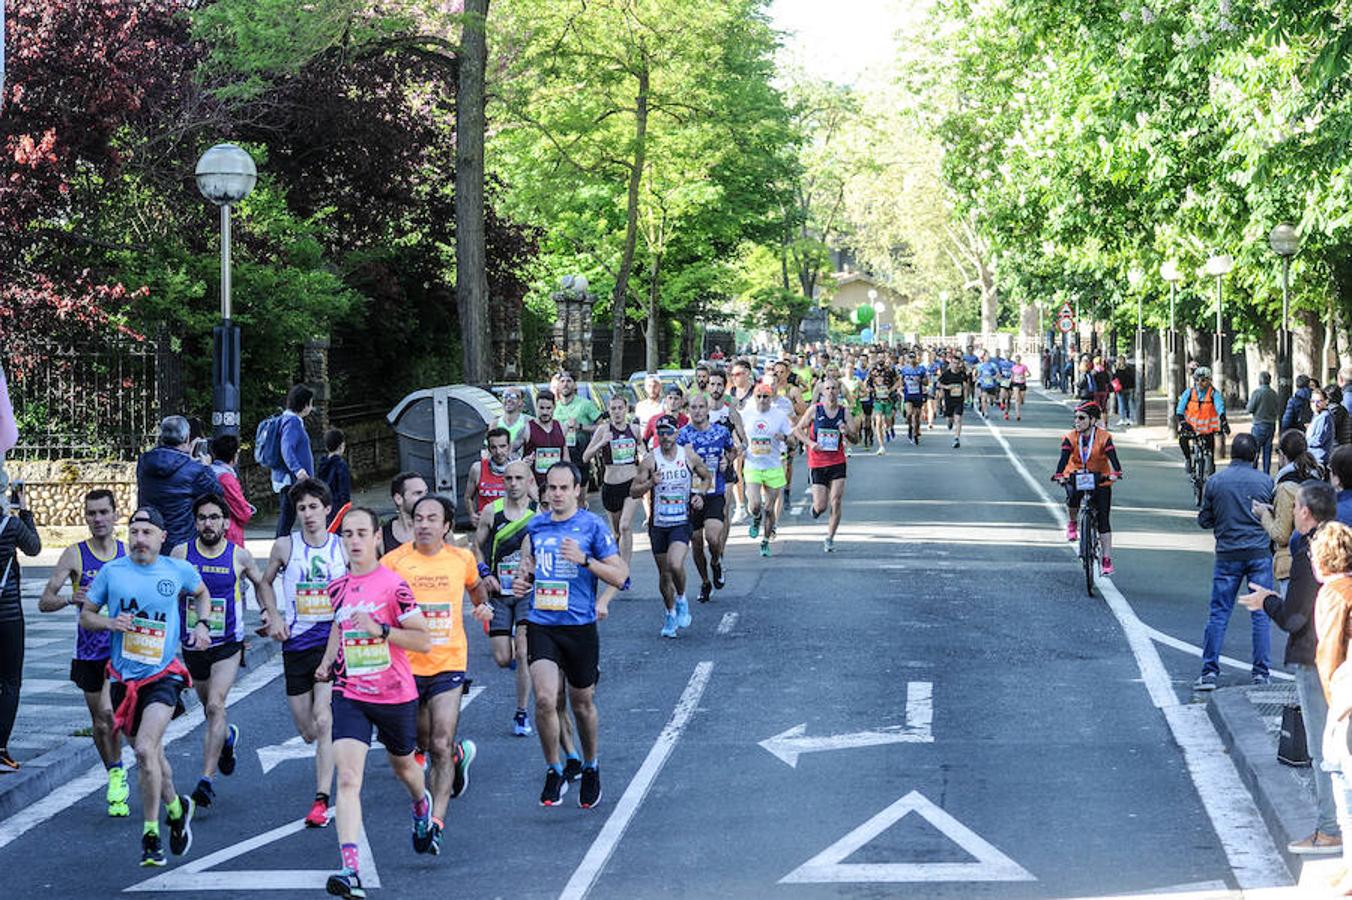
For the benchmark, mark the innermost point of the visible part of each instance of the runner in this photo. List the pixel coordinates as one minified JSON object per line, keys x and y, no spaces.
{"x":913,"y":383}
{"x":366,"y":656}
{"x":619,"y":443}
{"x":882,"y":380}
{"x":701,"y":385}
{"x":970,"y":361}
{"x":77,"y":566}
{"x":497,"y":547}
{"x":668,"y":473}
{"x":738,"y":395}
{"x":715,"y":445}
{"x":307,"y":560}
{"x":766,"y":431}
{"x":512,"y":418}
{"x":789,"y":400}
{"x":578,"y":417}
{"x":933,"y":369}
{"x":406,"y":489}
{"x":564,"y":554}
{"x":544,"y":439}
{"x":673,"y":404}
{"x":987,"y":383}
{"x":484,"y":484}
{"x":953,"y":383}
{"x":140,"y":592}
{"x":723,"y":412}
{"x":651,"y":405}
{"x":439,"y":575}
{"x":824,"y":429}
{"x":221,"y":566}
{"x":1018,"y":375}
{"x":1006,"y":376}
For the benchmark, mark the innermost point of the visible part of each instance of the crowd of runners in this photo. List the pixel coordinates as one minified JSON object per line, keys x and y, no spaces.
{"x":370,"y":614}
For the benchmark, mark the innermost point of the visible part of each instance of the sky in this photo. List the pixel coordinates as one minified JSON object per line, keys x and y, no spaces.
{"x":841,"y":40}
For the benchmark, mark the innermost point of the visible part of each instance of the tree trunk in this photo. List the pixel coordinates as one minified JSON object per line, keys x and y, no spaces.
{"x":618,"y":299}
{"x":471,"y":281}
{"x":990,"y":300}
{"x":652,"y":344}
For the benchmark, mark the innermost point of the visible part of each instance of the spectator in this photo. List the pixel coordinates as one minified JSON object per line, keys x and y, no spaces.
{"x":1264,"y":405}
{"x":1297,"y":413}
{"x":1103,"y":385}
{"x":1319,"y":434}
{"x":1315,"y":505}
{"x":18,"y":533}
{"x":1345,"y":385}
{"x":298,"y":459}
{"x":1125,"y":377}
{"x":334,"y":471}
{"x":1340,"y":474}
{"x":225,"y":454}
{"x":1342,"y":419}
{"x":1243,"y":556}
{"x":1331,"y":560}
{"x":1297,"y":467}
{"x":168,"y":479}
{"x":1087,"y":385}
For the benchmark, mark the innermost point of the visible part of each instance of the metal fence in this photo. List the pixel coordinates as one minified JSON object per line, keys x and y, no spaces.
{"x":96,"y":401}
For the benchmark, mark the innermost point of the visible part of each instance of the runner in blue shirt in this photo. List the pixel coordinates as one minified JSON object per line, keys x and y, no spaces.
{"x":913,"y":379}
{"x":987,"y":383}
{"x":565,"y":552}
{"x":969,"y":362}
{"x":715,"y":445}
{"x":139,"y":593}
{"x":1006,"y":381}
{"x":933,"y":369}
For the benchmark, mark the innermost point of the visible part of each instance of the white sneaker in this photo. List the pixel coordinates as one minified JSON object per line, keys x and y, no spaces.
{"x":739,"y":515}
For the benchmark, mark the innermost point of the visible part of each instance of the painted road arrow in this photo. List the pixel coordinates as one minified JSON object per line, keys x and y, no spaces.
{"x":789,"y":745}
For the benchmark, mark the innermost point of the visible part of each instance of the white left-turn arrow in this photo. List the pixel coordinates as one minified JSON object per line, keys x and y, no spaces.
{"x":789,"y":745}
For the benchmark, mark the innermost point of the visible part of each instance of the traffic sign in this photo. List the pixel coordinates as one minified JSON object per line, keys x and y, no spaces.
{"x":1066,"y":324}
{"x":1066,"y":312}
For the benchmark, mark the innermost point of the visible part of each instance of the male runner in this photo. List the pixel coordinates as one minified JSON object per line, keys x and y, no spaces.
{"x":987,"y":383}
{"x":913,"y":381}
{"x":701,"y":386}
{"x":307,"y":560}
{"x":766,"y":430}
{"x":1006,"y":367}
{"x":882,"y":380}
{"x":77,"y":565}
{"x":725,"y":413}
{"x":439,"y":575}
{"x":667,"y":473}
{"x":970,"y":361}
{"x":952,"y":386}
{"x":564,"y":554}
{"x":221,"y":565}
{"x":406,"y":489}
{"x":544,"y":440}
{"x":789,"y":400}
{"x":577,"y":415}
{"x":140,"y":591}
{"x":824,"y":429}
{"x":651,"y":404}
{"x":715,"y":445}
{"x":738,"y":395}
{"x":484,"y":484}
{"x":933,"y":369}
{"x":619,"y":443}
{"x":377,"y":622}
{"x":512,"y":418}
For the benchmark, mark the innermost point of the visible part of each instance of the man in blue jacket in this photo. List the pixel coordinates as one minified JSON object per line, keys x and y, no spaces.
{"x":1297,"y":413}
{"x":168,"y":479}
{"x":298,"y":459}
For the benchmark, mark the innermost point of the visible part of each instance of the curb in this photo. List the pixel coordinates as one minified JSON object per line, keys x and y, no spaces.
{"x":46,"y":773}
{"x":1273,"y":786}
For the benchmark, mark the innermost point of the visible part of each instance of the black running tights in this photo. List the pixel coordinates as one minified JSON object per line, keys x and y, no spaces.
{"x":11,"y":675}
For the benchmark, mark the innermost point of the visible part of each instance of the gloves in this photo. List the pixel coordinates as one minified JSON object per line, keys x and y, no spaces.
{"x":1225,"y":426}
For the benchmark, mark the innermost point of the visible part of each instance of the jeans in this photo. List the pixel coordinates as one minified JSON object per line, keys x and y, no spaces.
{"x":1342,"y":802}
{"x":1126,"y":404}
{"x":1228,"y":578}
{"x":1314,"y":709}
{"x":1262,"y":433}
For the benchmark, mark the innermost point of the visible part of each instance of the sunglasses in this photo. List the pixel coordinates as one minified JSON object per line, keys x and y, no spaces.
{"x":1081,"y":417}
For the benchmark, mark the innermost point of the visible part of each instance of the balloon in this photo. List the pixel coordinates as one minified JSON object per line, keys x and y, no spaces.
{"x":863,"y":314}
{"x":867,"y":334}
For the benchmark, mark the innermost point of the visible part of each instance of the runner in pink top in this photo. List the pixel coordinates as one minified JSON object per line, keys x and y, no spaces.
{"x":1019,"y":386}
{"x":369,"y":668}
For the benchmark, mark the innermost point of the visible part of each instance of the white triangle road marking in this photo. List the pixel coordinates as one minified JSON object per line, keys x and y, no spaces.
{"x":829,"y":867}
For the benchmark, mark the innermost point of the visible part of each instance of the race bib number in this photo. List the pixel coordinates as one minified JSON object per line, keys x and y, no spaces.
{"x":215,"y":622}
{"x":623,"y":451}
{"x":955,"y":390}
{"x":1084,"y":481}
{"x":912,"y":385}
{"x":571,"y":437}
{"x":671,"y":505}
{"x":507,"y":571}
{"x":312,"y":602}
{"x":829,"y":440}
{"x":363,"y":654}
{"x":145,"y":642}
{"x":761,"y":446}
{"x":551,"y":596}
{"x":546,"y":457}
{"x":440,"y":622}
{"x":1005,"y":382}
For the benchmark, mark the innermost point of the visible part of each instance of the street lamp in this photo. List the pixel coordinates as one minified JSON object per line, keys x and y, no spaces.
{"x":1173,"y":380}
{"x":1284,"y":242}
{"x":573,"y":324}
{"x":225,"y":176}
{"x":1218,"y":265}
{"x":1136,"y":278}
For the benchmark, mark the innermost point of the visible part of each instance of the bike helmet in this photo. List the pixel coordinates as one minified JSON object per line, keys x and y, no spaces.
{"x":1090,"y":409}
{"x":1201,"y":372}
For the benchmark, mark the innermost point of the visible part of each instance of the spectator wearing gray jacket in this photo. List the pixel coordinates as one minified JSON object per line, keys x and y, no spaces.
{"x":1243,"y":556}
{"x":1265,"y":407}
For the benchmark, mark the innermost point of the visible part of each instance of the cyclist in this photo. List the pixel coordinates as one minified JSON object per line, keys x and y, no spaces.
{"x":1201,"y":413}
{"x":1088,"y":447}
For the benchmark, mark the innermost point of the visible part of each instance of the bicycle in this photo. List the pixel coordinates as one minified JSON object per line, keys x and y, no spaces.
{"x":1091,"y":547}
{"x":1199,"y":455}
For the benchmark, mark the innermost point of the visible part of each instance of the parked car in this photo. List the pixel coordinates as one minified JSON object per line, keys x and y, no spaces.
{"x":682,"y":378}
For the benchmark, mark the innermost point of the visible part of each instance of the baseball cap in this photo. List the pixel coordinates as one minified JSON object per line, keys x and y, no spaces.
{"x":665,"y":423}
{"x":763,"y":390}
{"x":147,"y":514}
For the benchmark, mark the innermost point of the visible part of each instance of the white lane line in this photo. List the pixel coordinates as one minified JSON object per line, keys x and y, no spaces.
{"x":1244,"y":837}
{"x":727,"y":623}
{"x":96,"y":778}
{"x":1170,"y":641}
{"x":601,"y":849}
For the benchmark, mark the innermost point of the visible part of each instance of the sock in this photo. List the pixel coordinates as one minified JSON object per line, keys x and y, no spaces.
{"x":174,"y":808}
{"x":556,"y":768}
{"x":152,"y":828}
{"x":437,"y":822}
{"x":589,"y":764}
{"x":320,"y":795}
{"x":116,"y":765}
{"x":421,"y":806}
{"x":572,"y":755}
{"x":350,"y":858}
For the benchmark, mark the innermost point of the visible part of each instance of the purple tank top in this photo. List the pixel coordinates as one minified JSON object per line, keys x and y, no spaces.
{"x":92,"y":645}
{"x":227,"y":604}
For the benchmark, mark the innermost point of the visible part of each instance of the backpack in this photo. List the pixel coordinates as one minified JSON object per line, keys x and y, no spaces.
{"x":268,"y":443}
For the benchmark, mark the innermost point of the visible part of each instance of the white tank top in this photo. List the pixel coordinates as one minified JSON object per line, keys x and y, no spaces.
{"x":720,"y":416}
{"x":671,"y":494}
{"x":304,"y":601}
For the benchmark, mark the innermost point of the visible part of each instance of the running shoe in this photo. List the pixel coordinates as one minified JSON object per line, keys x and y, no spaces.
{"x":434,"y":847}
{"x":1006,"y":415}
{"x":950,"y":424}
{"x":117,"y":793}
{"x":7,"y":762}
{"x":765,"y":547}
{"x":829,"y":546}
{"x":227,"y":761}
{"x":422,"y":825}
{"x":716,"y":571}
{"x":1107,"y":566}
{"x":465,"y":751}
{"x":204,"y":793}
{"x":817,"y":513}
{"x":772,"y":534}
{"x":589,"y":795}
{"x":572,"y":769}
{"x":669,"y":625}
{"x":521,"y":724}
{"x":881,"y":451}
{"x":683,"y":618}
{"x":152,"y":854}
{"x":555,"y":788}
{"x":180,"y":829}
{"x":628,"y":583}
{"x":1072,"y":532}
{"x":318,"y":816}
{"x":345,"y":884}
{"x":753,"y":530}
{"x":738,"y":515}
{"x":705,"y":591}
{"x":956,"y":443}
{"x":1206,"y":682}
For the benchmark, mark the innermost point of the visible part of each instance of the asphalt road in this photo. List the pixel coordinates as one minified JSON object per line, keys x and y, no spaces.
{"x":937,"y":709}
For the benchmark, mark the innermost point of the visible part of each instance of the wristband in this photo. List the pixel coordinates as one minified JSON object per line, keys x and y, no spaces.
{"x":484,"y":570}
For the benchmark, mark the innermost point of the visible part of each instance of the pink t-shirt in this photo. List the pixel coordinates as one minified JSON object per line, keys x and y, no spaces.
{"x":1019,"y":373}
{"x":370,"y":668}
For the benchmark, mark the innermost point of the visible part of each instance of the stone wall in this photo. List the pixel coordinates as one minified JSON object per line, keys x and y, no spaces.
{"x":55,"y":490}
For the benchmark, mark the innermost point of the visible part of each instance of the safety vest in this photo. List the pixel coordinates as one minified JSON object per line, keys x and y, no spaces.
{"x":1097,"y":460}
{"x":1201,"y":414}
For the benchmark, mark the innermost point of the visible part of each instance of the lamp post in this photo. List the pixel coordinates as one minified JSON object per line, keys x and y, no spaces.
{"x":573,"y":325}
{"x":1136,"y":278}
{"x":1284,"y":242}
{"x":1218,"y":265}
{"x":1172,"y":377}
{"x":943,"y":314}
{"x":225,"y":176}
{"x":878,"y":308}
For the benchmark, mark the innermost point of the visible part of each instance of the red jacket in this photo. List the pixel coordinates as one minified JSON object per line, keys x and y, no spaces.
{"x":240,"y":509}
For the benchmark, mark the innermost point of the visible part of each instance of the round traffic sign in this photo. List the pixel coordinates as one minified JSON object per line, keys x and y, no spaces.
{"x":1067,"y":325}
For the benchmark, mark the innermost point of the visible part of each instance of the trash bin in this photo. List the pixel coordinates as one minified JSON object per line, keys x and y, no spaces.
{"x":441,"y":433}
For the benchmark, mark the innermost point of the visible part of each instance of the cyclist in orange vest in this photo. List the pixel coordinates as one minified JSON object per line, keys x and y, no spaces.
{"x":1200,"y":414}
{"x":1088,"y":447}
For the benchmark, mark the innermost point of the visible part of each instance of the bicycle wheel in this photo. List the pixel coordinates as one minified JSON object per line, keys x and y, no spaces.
{"x":1198,"y":487}
{"x":1088,"y":546}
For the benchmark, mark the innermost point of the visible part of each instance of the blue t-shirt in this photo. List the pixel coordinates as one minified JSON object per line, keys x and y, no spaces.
{"x":710,"y":444}
{"x":150,"y":593}
{"x":913,"y":382}
{"x":564,"y":592}
{"x":969,"y":359}
{"x":986,"y":374}
{"x":1006,"y":369}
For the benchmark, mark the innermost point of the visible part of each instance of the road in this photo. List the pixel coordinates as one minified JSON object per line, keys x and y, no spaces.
{"x":936,"y":709}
